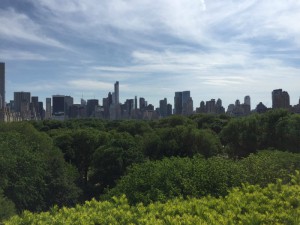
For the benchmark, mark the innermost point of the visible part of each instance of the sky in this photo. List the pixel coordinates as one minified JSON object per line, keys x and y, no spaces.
{"x":223,"y":49}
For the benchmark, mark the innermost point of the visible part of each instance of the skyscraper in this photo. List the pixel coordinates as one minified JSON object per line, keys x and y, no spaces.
{"x":183,"y":103}
{"x":135,"y":102}
{"x":34,"y":107}
{"x":2,"y":85}
{"x":58,"y":105}
{"x":163,"y":107}
{"x":178,"y":103}
{"x":91,"y":106}
{"x":142,"y":103}
{"x":280,"y":99}
{"x":247,"y":100}
{"x":21,"y":101}
{"x":48,"y":108}
{"x":117,"y":92}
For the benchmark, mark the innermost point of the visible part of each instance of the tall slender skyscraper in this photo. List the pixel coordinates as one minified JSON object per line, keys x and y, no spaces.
{"x":2,"y":85}
{"x":117,"y":93}
{"x":48,"y":108}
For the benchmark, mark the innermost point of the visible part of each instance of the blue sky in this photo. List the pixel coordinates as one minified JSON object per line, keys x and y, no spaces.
{"x":215,"y":48}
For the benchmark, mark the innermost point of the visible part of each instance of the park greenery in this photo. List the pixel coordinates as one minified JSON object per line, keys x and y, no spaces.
{"x":51,"y":165}
{"x":251,"y":204}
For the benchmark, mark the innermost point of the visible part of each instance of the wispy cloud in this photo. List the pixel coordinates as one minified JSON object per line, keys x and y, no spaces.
{"x":8,"y":55}
{"x":88,"y":85}
{"x":206,"y":46}
{"x":16,"y":26}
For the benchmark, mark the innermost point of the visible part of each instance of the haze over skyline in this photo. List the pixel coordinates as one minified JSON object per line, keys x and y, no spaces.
{"x":216,"y":49}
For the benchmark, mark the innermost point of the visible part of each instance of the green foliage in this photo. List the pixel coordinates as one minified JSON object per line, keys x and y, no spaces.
{"x":111,"y":160}
{"x":32,"y":170}
{"x":173,"y":121}
{"x":250,"y":204}
{"x":210,"y":121}
{"x":134,"y":127}
{"x":266,"y":166}
{"x":194,"y":177}
{"x":7,"y":207}
{"x":275,"y":129}
{"x":241,"y":136}
{"x":181,"y":141}
{"x":287,"y":132}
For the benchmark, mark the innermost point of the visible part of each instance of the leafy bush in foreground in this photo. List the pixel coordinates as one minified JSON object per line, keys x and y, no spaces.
{"x":250,"y":204}
{"x":195,"y":177}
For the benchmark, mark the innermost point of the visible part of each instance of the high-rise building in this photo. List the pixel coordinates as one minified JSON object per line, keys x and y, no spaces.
{"x":69,"y":101}
{"x":58,"y":105}
{"x":61,"y":106}
{"x":169,"y":110}
{"x":211,"y":106}
{"x":163,"y":107}
{"x":34,"y":107}
{"x":135,"y":102}
{"x":142,"y":103}
{"x":48,"y":108}
{"x":183,"y":103}
{"x":21,"y":101}
{"x":187,"y":103}
{"x":247,"y":101}
{"x":178,"y":103}
{"x":2,"y":85}
{"x":128,"y":108}
{"x":41,"y":110}
{"x":117,"y":93}
{"x":91,"y":106}
{"x":280,"y":99}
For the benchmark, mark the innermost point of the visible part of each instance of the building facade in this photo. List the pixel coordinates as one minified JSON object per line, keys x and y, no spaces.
{"x":280,"y":99}
{"x":2,"y":85}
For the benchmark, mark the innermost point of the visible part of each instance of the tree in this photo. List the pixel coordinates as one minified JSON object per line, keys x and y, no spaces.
{"x":111,"y":160}
{"x":7,"y":207}
{"x":32,"y":169}
{"x":241,"y":136}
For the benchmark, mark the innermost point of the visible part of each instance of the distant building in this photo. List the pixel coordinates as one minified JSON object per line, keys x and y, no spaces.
{"x":61,"y":106}
{"x":2,"y":85}
{"x":48,"y":108}
{"x":117,"y":93}
{"x":77,"y":111}
{"x":183,"y":103}
{"x":58,"y":105}
{"x":178,"y":103}
{"x":135,"y":102}
{"x":280,"y":99}
{"x":22,"y":104}
{"x":211,"y":107}
{"x":261,"y":108}
{"x":169,"y":109}
{"x":247,"y":101}
{"x":91,"y":107}
{"x":142,"y":103}
{"x":163,"y":108}
{"x":239,"y":109}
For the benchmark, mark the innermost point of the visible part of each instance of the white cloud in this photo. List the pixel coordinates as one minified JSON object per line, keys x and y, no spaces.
{"x":210,"y":46}
{"x":21,"y":55}
{"x":17,"y":26}
{"x":88,"y":85}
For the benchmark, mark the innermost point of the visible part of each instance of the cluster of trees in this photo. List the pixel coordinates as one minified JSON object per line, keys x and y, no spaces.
{"x":197,"y":177}
{"x":46,"y":163}
{"x":251,"y":204}
{"x":34,"y":174}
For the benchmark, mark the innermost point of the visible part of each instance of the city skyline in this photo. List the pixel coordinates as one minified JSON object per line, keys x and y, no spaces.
{"x":215,"y":49}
